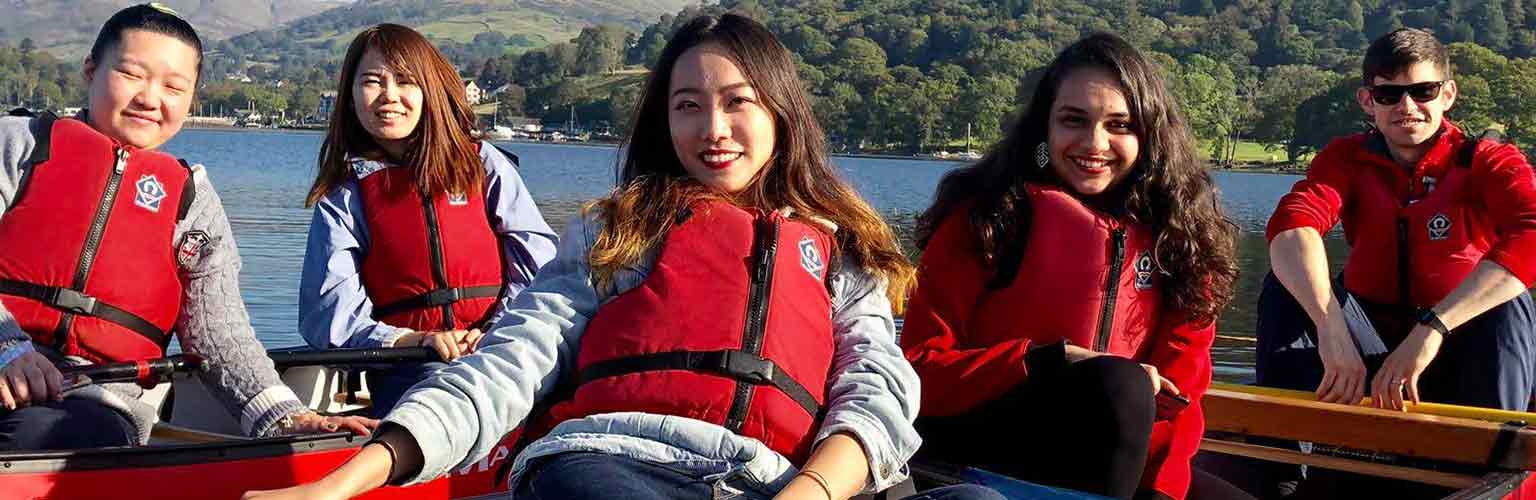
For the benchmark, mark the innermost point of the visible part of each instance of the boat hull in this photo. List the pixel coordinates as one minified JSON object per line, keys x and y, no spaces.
{"x":222,"y":470}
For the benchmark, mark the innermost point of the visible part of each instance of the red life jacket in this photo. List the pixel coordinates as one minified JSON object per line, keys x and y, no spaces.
{"x":1415,"y":237}
{"x":732,"y":327}
{"x":1085,"y":276}
{"x":433,"y":263}
{"x":88,"y":265}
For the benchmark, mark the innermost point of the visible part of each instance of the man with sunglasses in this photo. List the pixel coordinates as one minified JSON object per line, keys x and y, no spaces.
{"x":1442,"y":230}
{"x":1432,"y":302}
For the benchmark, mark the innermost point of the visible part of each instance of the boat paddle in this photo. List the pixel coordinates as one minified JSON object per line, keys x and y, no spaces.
{"x":147,"y":373}
{"x":363,"y":356}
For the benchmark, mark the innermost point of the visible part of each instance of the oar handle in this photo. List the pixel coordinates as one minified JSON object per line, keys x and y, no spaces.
{"x":145,"y":372}
{"x":288,"y":359}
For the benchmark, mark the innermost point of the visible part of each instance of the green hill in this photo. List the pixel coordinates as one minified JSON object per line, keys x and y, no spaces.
{"x":66,"y":29}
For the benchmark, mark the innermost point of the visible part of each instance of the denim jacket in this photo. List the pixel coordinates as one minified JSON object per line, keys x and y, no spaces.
{"x":460,"y":414}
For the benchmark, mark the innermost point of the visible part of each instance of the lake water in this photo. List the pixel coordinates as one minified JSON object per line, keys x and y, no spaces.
{"x":263,"y":176}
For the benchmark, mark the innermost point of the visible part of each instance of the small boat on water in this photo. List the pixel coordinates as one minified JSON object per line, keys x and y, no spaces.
{"x":195,"y":452}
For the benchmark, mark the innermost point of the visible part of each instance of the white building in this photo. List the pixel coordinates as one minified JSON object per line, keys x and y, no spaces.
{"x":472,"y":91}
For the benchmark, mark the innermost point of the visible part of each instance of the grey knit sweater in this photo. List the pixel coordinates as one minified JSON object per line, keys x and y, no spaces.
{"x":213,"y":321}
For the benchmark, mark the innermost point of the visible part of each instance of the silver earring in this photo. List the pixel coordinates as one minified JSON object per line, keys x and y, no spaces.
{"x":1042,"y":156}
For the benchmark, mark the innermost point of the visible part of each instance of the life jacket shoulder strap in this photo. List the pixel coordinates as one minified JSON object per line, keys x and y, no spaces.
{"x":1468,"y":149}
{"x":188,"y":191}
{"x":42,"y":137}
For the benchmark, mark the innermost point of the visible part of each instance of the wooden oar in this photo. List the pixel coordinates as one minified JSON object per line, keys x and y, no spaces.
{"x":1297,"y":416}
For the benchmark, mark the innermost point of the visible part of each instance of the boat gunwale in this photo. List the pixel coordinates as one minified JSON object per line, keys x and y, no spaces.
{"x":139,"y":457}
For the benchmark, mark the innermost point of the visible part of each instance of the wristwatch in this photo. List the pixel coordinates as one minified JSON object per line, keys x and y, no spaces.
{"x":1427,"y":317}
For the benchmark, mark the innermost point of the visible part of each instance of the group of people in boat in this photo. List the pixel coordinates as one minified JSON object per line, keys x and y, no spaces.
{"x":721,"y":324}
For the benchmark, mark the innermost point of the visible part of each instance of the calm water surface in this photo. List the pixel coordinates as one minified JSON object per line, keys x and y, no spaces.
{"x":263,"y":176}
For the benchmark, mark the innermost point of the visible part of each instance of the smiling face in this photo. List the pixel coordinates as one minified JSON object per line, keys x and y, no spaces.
{"x":141,"y":90}
{"x":721,"y":130}
{"x":388,"y":104}
{"x":1408,"y":125}
{"x":1091,"y":138}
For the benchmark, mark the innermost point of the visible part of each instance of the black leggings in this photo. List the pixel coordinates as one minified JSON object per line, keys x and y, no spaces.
{"x":1085,"y":428}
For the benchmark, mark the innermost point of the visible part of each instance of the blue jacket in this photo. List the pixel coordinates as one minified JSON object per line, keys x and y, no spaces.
{"x":334,"y":310}
{"x":459,"y":415}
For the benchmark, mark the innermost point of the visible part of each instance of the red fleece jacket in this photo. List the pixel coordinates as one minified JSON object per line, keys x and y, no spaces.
{"x":965,"y":360}
{"x":1489,"y":210}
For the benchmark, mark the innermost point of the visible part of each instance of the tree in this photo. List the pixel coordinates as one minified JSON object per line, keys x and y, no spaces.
{"x":600,"y":49}
{"x":510,"y":101}
{"x":1281,"y":92}
{"x":27,"y":45}
{"x":1329,"y":115}
{"x":1493,"y":27}
{"x":1517,"y":100}
{"x":861,"y":61}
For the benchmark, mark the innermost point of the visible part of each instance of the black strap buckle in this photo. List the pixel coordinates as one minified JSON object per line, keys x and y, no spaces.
{"x":443,"y":296}
{"x":747,"y":367}
{"x":73,"y":301}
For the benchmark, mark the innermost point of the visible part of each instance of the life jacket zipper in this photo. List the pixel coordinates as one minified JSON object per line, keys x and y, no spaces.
{"x":1111,"y":292}
{"x":765,"y":235}
{"x":435,"y":248}
{"x":93,"y":242}
{"x":99,"y":224}
{"x":1404,"y":265}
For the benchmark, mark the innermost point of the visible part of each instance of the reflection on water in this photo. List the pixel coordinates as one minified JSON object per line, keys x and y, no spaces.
{"x":263,"y":178}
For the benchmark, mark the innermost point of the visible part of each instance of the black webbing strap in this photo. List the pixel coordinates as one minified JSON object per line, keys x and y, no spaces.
{"x":436,"y":298}
{"x":42,"y":139}
{"x":1468,"y":148}
{"x":738,"y":365}
{"x":188,"y":192}
{"x":1498,"y":455}
{"x":72,"y":301}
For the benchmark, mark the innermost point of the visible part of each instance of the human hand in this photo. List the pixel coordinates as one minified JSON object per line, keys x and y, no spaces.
{"x":1075,"y":354}
{"x":30,"y":379}
{"x":1343,"y":371}
{"x":312,"y":423}
{"x":452,"y":344}
{"x":1159,"y":382}
{"x":1400,"y":372}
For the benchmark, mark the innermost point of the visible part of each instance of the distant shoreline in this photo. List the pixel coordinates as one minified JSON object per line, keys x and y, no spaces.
{"x":1265,"y":169}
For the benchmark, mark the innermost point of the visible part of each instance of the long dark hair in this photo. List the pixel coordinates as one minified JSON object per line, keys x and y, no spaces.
{"x":442,"y":151}
{"x":653,"y":186}
{"x":1168,"y":188}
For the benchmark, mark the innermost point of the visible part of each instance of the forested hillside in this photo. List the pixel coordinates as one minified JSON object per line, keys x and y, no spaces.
{"x":914,"y":75}
{"x":911,"y":75}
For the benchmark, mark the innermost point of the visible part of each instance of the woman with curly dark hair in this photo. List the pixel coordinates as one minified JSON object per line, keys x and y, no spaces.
{"x":1069,"y":286}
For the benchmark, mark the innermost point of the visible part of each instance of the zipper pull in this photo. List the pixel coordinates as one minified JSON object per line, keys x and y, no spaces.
{"x":122,"y":160}
{"x":1119,"y":236}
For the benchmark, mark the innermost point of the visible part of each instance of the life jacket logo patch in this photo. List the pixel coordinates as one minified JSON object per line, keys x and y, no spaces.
{"x":1144,"y":268}
{"x":810,"y":257}
{"x":458,"y":199}
{"x":148,"y":193}
{"x":1439,"y":227}
{"x":191,"y":248}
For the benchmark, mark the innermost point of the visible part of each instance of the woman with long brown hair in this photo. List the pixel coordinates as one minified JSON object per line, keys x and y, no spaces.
{"x":1069,"y":287}
{"x":422,"y":234}
{"x":721,"y":323}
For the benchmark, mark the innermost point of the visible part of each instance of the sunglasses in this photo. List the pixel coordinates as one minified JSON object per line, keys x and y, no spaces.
{"x":1387,"y":94}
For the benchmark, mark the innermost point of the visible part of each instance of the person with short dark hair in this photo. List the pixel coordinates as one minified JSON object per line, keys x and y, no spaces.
{"x":109,"y":248}
{"x":1432,"y":304}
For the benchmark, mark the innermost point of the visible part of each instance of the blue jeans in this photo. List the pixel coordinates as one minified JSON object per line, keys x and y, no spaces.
{"x":68,"y":424}
{"x":575,"y":476}
{"x":386,"y":386}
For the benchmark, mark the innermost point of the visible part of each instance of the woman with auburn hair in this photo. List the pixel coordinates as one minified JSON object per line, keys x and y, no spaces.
{"x":422,"y":233}
{"x":1069,"y":287}
{"x":721,"y":322}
